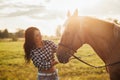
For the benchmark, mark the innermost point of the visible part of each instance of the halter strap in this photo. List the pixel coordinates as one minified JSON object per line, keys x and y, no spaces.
{"x":85,"y":61}
{"x":75,"y":51}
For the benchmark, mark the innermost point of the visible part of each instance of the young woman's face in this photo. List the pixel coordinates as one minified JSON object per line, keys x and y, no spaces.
{"x":37,"y":36}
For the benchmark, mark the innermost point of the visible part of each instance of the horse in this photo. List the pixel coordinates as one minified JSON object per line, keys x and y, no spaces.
{"x":103,"y":36}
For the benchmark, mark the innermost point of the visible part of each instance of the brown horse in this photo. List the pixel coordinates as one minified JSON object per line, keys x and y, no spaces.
{"x":102,"y":36}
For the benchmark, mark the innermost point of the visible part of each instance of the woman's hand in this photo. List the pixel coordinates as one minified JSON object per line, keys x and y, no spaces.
{"x":54,"y":63}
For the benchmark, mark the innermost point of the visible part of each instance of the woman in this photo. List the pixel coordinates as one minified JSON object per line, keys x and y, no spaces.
{"x":41,"y":53}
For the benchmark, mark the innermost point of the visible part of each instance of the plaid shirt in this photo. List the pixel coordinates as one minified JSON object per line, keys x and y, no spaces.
{"x":42,"y":57}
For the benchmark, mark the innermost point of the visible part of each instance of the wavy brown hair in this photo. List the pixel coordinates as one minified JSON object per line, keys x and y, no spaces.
{"x":29,"y":42}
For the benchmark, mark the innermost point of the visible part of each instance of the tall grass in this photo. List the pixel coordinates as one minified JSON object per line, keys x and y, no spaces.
{"x":13,"y":67}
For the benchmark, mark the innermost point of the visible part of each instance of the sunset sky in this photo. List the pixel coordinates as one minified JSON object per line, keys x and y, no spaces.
{"x":48,"y":14}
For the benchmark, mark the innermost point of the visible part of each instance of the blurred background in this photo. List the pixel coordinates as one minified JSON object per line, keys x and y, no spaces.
{"x":49,"y":16}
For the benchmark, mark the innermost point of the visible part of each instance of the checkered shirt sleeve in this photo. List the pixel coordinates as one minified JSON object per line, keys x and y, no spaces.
{"x":52,"y":45}
{"x":39,"y":61}
{"x":42,"y":57}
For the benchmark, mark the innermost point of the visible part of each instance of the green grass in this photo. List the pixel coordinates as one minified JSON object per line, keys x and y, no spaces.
{"x":12,"y":66}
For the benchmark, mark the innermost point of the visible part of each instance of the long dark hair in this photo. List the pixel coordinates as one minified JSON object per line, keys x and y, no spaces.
{"x":29,"y":42}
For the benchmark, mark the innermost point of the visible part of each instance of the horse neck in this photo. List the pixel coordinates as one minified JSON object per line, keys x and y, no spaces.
{"x":99,"y":35}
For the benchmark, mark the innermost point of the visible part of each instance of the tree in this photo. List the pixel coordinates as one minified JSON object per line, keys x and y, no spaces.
{"x":58,"y":31}
{"x":116,"y":21}
{"x":14,"y":38}
{"x":4,"y":34}
{"x":20,"y":33}
{"x":0,"y":34}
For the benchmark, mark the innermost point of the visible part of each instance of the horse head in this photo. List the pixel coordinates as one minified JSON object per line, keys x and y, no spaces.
{"x":71,"y":39}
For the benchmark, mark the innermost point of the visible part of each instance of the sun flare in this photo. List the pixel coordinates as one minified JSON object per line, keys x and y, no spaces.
{"x":48,"y":14}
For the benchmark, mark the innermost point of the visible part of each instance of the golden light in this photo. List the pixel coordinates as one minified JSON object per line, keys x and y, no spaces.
{"x":72,"y":4}
{"x":53,"y":13}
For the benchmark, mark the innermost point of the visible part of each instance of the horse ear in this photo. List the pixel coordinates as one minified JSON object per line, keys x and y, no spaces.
{"x":75,"y":13}
{"x":68,"y":14}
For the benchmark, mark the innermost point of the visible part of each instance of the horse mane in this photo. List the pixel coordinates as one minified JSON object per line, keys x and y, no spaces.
{"x":117,"y":31}
{"x":89,"y":19}
{"x":116,"y":27}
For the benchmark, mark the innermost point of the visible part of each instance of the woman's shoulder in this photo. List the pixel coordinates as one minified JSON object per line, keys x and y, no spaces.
{"x":48,"y":41}
{"x":44,"y":41}
{"x":34,"y":50}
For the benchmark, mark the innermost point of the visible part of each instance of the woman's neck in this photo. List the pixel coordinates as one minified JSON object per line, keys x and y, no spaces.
{"x":40,"y":44}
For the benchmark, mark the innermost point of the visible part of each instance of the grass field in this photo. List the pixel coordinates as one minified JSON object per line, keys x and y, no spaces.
{"x":12,"y":66}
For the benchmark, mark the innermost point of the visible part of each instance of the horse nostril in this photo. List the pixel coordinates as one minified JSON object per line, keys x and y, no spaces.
{"x":60,"y":59}
{"x":63,"y":57}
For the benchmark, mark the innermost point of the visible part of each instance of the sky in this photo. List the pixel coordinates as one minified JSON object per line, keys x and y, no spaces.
{"x":48,"y":14}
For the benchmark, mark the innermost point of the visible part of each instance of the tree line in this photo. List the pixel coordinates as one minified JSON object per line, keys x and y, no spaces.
{"x":20,"y":32}
{"x":6,"y":34}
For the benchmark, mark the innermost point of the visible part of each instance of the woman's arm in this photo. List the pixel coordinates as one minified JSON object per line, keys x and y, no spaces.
{"x":53,"y":46}
{"x":39,"y":62}
{"x":54,"y":49}
{"x":54,"y":63}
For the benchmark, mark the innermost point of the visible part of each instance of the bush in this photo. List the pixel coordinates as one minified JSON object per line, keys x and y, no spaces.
{"x":14,"y":38}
